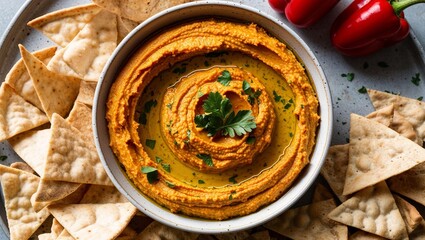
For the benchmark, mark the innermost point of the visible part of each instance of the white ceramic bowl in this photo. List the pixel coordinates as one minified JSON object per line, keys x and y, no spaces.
{"x":228,"y":10}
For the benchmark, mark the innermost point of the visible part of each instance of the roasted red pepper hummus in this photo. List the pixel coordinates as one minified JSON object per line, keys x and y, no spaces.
{"x":213,"y":119}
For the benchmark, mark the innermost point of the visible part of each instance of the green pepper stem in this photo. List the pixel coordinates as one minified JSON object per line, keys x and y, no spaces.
{"x":399,"y":6}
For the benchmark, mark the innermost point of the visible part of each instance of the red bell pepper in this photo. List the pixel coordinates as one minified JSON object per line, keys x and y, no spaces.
{"x":367,"y":26}
{"x":303,"y":13}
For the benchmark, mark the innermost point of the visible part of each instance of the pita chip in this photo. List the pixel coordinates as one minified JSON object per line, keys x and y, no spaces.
{"x":63,"y":25}
{"x":334,"y":169}
{"x":100,"y":221}
{"x":410,"y":184}
{"x":157,"y":230}
{"x":32,"y":147}
{"x":377,"y":153}
{"x":373,"y":210}
{"x":18,"y":188}
{"x":86,"y":94}
{"x":361,"y":235}
{"x":85,"y":56}
{"x":127,"y":234}
{"x":309,"y":222}
{"x":50,"y":191}
{"x":71,"y":158}
{"x":419,"y":232}
{"x":137,"y":10}
{"x":412,"y":218}
{"x":383,"y":116}
{"x":16,"y":114}
{"x":411,"y":109}
{"x":55,"y":231}
{"x":401,"y":125}
{"x":65,"y":236}
{"x":125,"y":26}
{"x":80,"y":117}
{"x":103,"y":194}
{"x":321,"y":193}
{"x":20,"y":80}
{"x":22,"y":166}
{"x":57,"y":93}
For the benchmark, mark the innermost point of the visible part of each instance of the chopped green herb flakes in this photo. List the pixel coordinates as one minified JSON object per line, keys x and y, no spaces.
{"x":151,"y":173}
{"x":205,"y":158}
{"x":150,"y":143}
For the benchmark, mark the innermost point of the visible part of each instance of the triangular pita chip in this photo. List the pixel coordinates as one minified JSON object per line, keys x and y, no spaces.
{"x":377,"y":153}
{"x":71,"y":157}
{"x":32,"y":147}
{"x":411,"y":109}
{"x":412,"y":218}
{"x":57,"y":93}
{"x":80,"y":118}
{"x":401,"y":125}
{"x":63,"y":25}
{"x":156,"y":230}
{"x":410,"y":183}
{"x":309,"y":222}
{"x":100,"y":221}
{"x":18,"y":188}
{"x":50,"y":191}
{"x":85,"y":56}
{"x":16,"y":114}
{"x":373,"y":210}
{"x":19,"y":79}
{"x":86,"y":94}
{"x":137,"y":10}
{"x":334,"y":169}
{"x":383,"y":116}
{"x":103,"y":194}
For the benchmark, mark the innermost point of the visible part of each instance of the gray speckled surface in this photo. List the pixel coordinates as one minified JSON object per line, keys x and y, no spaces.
{"x":404,"y":60}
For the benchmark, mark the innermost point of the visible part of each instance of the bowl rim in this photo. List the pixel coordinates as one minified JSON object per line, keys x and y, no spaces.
{"x":192,"y":224}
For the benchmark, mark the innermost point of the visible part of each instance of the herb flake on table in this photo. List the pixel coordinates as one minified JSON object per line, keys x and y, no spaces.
{"x":362,"y":90}
{"x":383,"y":64}
{"x":3,"y":158}
{"x":416,"y":79}
{"x":348,"y":76}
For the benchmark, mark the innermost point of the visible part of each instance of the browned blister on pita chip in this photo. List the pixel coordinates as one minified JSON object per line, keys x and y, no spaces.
{"x":377,"y":153}
{"x":309,"y":222}
{"x":20,"y":80}
{"x":334,"y":169}
{"x":71,"y":157}
{"x":412,"y":218}
{"x":18,"y":188}
{"x":411,"y":109}
{"x":56,"y":92}
{"x":86,"y":93}
{"x":16,"y":114}
{"x":85,"y":56}
{"x":373,"y":210}
{"x":100,"y":221}
{"x":63,"y":25}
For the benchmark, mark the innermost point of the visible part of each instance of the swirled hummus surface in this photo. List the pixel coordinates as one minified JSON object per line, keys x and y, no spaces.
{"x":213,"y":119}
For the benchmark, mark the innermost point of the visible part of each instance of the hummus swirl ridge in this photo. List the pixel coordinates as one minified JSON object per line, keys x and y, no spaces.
{"x":184,"y":42}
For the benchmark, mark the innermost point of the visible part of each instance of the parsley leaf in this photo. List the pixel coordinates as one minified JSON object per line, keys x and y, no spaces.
{"x":200,"y":181}
{"x":416,"y":79}
{"x":206,"y":159}
{"x":3,"y":158}
{"x":349,"y":76}
{"x":225,"y":78}
{"x":219,"y":117}
{"x":276,"y":96}
{"x":362,"y":90}
{"x":150,"y":143}
{"x":232,"y":179}
{"x":252,"y":95}
{"x":151,"y":173}
{"x":250,"y":140}
{"x":170,"y":184}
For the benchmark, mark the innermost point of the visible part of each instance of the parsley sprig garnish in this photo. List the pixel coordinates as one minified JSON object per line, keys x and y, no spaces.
{"x":220,"y":119}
